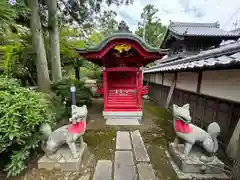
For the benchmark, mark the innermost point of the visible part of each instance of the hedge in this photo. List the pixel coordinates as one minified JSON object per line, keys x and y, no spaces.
{"x":22,"y":111}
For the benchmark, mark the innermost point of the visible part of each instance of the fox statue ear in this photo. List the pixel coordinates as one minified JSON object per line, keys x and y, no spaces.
{"x":175,"y":106}
{"x":74,"y":106}
{"x":186,"y":106}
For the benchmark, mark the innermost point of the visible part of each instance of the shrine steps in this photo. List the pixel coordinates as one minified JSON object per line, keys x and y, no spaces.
{"x":121,"y":108}
{"x":122,"y":117}
{"x":121,"y":101}
{"x":124,"y":105}
{"x":122,"y":122}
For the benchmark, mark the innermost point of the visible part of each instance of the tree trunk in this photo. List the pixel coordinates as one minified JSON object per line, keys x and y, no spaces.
{"x":54,"y":40}
{"x":38,"y":44}
{"x":77,"y":72}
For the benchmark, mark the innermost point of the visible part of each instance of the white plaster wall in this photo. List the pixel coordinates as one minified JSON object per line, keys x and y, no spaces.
{"x":158,"y":78}
{"x":187,"y":81}
{"x":224,"y":84}
{"x":168,"y":79}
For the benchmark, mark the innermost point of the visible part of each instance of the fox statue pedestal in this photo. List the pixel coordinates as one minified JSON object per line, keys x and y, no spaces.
{"x":63,"y":151}
{"x":195,"y":157}
{"x":63,"y":159}
{"x":196,"y":162}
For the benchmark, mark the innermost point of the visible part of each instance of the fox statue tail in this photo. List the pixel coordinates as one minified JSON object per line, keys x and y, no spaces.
{"x":213,"y":130}
{"x":46,"y":131}
{"x":211,"y":145}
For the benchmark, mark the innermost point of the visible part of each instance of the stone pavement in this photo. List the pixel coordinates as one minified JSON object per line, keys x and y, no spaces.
{"x":131,"y":160}
{"x":122,"y":121}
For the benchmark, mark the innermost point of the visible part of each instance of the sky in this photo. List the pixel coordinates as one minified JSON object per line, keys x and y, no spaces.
{"x":226,"y":12}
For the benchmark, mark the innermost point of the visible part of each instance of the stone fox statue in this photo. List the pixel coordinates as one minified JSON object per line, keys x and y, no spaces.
{"x":66,"y":134}
{"x":191,"y":133}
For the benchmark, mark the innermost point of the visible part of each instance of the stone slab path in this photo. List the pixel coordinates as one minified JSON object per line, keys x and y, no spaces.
{"x":122,"y":122}
{"x":139,"y":149}
{"x":123,"y":141}
{"x":103,"y":170}
{"x":124,"y":167}
{"x":145,"y":171}
{"x":131,"y":160}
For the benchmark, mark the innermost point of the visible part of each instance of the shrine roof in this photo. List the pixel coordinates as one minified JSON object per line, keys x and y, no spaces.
{"x":122,"y":36}
{"x":226,"y":56}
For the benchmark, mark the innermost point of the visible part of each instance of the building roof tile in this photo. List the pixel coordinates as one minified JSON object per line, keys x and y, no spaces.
{"x":224,"y":56}
{"x":200,"y":29}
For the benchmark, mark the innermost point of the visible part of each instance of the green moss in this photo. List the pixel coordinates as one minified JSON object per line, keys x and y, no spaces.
{"x":158,"y":138}
{"x":161,"y":163}
{"x":162,"y":113}
{"x":162,"y":117}
{"x":101,"y":142}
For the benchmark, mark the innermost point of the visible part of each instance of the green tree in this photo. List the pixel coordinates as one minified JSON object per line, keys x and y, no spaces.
{"x":150,"y":27}
{"x":54,"y":57}
{"x":38,"y":44}
{"x":70,"y":39}
{"x":107,"y":22}
{"x":73,"y":11}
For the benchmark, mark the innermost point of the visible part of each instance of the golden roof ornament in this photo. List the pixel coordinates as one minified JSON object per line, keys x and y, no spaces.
{"x":123,"y":27}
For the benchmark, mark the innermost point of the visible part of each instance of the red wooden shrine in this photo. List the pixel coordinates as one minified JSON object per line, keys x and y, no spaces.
{"x":122,"y":56}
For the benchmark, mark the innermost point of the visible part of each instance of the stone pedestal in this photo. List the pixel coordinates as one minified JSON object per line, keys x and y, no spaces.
{"x":63,"y":160}
{"x":194,"y":166}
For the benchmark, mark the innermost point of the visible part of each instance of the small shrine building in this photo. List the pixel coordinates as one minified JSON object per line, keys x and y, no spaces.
{"x":122,"y":56}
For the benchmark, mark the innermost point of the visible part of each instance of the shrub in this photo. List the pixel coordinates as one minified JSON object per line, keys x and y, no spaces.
{"x":22,"y":111}
{"x":62,"y":89}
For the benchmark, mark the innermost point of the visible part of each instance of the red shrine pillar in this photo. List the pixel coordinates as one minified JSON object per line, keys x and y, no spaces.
{"x":139,"y":87}
{"x":105,"y":91}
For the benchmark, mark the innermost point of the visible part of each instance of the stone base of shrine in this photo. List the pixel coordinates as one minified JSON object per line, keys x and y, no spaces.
{"x":123,"y":118}
{"x":63,"y":160}
{"x":193,"y":167}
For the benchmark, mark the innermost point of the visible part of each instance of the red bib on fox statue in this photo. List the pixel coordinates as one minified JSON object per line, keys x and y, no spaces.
{"x":182,"y":127}
{"x":77,"y":128}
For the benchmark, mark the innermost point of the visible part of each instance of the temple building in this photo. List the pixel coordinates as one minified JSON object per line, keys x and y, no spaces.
{"x":187,"y":39}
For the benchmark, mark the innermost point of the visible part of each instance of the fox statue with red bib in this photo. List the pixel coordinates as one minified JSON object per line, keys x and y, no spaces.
{"x":192,"y":134}
{"x":66,"y":134}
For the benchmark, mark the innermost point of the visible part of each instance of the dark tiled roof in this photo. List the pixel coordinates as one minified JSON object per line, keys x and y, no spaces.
{"x":128,"y":36}
{"x":236,"y":30}
{"x":199,"y":29}
{"x":224,"y":56}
